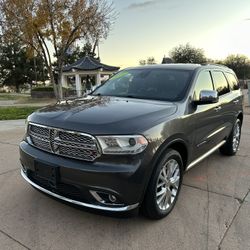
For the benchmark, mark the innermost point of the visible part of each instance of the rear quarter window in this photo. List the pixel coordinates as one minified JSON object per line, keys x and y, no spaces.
{"x":220,"y":82}
{"x":233,"y":81}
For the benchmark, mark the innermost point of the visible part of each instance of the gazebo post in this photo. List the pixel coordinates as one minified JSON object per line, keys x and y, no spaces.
{"x":98,"y":79}
{"x":64,"y":81}
{"x":78,"y":85}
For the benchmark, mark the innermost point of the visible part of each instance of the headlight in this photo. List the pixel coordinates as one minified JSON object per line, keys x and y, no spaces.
{"x":25,"y":130}
{"x":122,"y":144}
{"x":26,"y":126}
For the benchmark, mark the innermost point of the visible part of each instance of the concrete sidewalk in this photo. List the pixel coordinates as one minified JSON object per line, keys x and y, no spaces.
{"x":213,"y":210}
{"x":12,"y":124}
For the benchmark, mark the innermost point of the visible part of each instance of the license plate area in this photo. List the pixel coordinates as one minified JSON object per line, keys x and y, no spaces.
{"x":47,"y":172}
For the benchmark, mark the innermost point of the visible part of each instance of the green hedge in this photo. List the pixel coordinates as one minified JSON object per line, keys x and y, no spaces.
{"x":45,"y":89}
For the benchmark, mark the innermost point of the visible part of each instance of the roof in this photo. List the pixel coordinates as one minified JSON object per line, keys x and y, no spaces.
{"x":88,"y":63}
{"x":183,"y":66}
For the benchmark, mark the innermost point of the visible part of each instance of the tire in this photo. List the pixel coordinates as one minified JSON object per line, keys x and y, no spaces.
{"x":231,"y":146}
{"x":159,"y":201}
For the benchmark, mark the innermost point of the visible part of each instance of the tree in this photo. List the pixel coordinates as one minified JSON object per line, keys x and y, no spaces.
{"x":51,"y":27}
{"x":77,"y":52}
{"x":187,"y":54}
{"x":151,"y":60}
{"x":240,"y":64}
{"x":16,"y":68}
{"x":142,"y":62}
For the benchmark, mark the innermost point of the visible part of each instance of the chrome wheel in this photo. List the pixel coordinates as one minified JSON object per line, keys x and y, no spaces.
{"x":168,"y":184}
{"x":236,"y":137}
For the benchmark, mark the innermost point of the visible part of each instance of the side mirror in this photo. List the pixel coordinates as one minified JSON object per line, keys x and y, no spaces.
{"x":207,"y":97}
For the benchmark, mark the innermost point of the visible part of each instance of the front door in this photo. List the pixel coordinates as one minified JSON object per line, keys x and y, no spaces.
{"x":206,"y":118}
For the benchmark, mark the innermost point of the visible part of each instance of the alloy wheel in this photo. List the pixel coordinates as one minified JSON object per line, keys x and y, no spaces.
{"x":168,"y":184}
{"x":236,"y":137}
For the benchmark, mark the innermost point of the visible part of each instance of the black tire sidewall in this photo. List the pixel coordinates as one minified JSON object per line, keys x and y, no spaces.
{"x":227,"y":148}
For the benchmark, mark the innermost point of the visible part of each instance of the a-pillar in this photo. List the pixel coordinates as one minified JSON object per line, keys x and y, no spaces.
{"x":78,"y":85}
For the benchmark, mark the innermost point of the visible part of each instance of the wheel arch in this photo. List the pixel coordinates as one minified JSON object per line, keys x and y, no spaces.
{"x":176,"y":142}
{"x":240,"y":116}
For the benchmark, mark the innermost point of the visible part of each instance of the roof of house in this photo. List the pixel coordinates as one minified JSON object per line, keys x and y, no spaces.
{"x":88,"y":63}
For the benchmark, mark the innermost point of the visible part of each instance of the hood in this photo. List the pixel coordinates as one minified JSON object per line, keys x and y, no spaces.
{"x":104,"y":115}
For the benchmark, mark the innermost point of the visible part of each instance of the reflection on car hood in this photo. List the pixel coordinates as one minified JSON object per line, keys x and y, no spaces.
{"x":104,"y":115}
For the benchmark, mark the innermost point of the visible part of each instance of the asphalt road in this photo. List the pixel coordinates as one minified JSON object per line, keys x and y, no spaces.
{"x":213,"y":210}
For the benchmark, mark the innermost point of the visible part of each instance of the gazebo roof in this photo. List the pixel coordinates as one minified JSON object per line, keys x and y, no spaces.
{"x":88,"y":63}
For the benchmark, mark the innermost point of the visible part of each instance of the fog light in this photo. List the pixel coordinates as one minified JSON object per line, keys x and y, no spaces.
{"x":112,"y":198}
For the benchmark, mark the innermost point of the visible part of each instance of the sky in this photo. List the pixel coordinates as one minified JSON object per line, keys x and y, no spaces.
{"x":146,"y":28}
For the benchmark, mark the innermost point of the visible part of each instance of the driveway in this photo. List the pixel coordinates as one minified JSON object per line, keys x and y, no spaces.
{"x":213,"y":210}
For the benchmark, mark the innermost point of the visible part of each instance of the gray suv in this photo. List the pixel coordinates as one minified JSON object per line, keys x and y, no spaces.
{"x":128,"y":144}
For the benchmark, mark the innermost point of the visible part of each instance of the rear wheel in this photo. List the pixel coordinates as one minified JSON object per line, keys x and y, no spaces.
{"x":232,"y":145}
{"x":164,"y":186}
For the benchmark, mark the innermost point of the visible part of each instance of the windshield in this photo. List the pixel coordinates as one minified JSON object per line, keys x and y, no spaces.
{"x":156,"y":84}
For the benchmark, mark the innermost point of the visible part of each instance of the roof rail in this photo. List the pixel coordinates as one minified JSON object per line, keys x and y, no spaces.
{"x":215,"y":64}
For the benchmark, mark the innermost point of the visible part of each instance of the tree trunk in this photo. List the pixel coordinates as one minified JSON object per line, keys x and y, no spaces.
{"x":17,"y":88}
{"x":52,"y":80}
{"x":60,"y":71}
{"x":60,"y":90}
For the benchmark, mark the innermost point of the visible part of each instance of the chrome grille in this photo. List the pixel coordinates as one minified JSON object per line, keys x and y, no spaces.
{"x":42,"y":131}
{"x":75,"y":138}
{"x":65,"y":143}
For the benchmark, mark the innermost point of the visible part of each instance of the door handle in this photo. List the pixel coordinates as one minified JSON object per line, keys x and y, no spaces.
{"x":217,"y":108}
{"x":236,"y":101}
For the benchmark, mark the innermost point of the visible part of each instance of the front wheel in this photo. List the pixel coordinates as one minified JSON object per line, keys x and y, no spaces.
{"x":233,"y":142}
{"x":164,"y":186}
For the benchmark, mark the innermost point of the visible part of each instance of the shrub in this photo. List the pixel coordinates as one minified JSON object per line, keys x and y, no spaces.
{"x":43,"y":89}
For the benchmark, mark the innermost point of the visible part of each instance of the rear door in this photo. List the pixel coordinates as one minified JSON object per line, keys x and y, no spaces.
{"x":236,"y":97}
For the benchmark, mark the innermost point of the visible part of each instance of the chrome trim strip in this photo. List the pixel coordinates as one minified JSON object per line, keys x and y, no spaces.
{"x":216,"y":132}
{"x":193,"y":163}
{"x":97,"y":196}
{"x":200,"y":144}
{"x":79,"y":203}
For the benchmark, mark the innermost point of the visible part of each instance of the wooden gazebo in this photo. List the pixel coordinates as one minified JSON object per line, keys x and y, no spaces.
{"x":86,"y":71}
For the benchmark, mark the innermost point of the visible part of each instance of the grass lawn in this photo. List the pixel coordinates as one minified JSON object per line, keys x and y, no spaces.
{"x":5,"y":97}
{"x":25,"y":99}
{"x":14,"y":113}
{"x":17,"y":97}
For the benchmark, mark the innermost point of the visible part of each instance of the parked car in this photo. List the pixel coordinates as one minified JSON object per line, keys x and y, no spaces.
{"x":128,"y":144}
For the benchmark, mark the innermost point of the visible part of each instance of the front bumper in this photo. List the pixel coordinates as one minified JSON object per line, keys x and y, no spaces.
{"x":75,"y":202}
{"x":125,"y":177}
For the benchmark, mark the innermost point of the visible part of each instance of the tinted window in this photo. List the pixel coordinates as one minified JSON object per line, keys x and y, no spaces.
{"x":233,"y":82}
{"x":220,"y":82}
{"x":158,"y":84}
{"x":204,"y":82}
